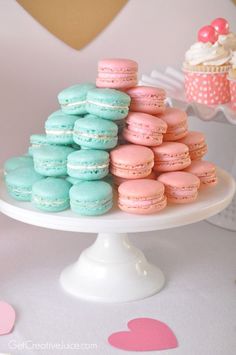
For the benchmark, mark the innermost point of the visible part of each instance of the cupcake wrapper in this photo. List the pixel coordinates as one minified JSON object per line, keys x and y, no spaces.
{"x":232,"y":84}
{"x":207,"y":88}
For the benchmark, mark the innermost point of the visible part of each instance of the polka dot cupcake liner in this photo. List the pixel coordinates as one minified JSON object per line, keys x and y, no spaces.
{"x":232,"y":84}
{"x":207,"y":88}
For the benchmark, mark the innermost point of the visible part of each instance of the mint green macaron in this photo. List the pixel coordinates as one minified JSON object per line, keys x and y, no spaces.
{"x":20,"y":181}
{"x":59,"y":128}
{"x":51,"y":194}
{"x":91,"y":198}
{"x":88,"y":164}
{"x":23,"y":161}
{"x":95,"y":133}
{"x":109,"y":104}
{"x":37,"y":141}
{"x":52,"y":160}
{"x":73,"y":99}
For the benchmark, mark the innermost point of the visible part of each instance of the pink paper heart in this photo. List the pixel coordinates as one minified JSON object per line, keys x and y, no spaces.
{"x":7,"y":318}
{"x":146,"y":334}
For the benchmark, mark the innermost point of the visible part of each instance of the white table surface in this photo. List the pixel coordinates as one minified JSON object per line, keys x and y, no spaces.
{"x":198,"y":302}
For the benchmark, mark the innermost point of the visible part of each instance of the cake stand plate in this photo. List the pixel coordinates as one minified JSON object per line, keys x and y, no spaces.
{"x":112,"y":269}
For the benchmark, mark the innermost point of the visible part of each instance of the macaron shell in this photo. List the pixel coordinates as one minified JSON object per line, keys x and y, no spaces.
{"x":196,"y":143}
{"x":131,"y":161}
{"x":171,"y":156}
{"x":205,"y":171}
{"x":19,"y":182}
{"x":180,"y":187}
{"x":95,"y":133}
{"x":147,"y":99}
{"x":177,"y":123}
{"x":109,"y":104}
{"x":142,"y":196}
{"x":17,"y":162}
{"x":144,"y":129}
{"x":117,"y":73}
{"x":51,"y":194}
{"x":73,"y":98}
{"x":91,"y":198}
{"x":119,"y":180}
{"x":59,"y":128}
{"x":88,"y":164}
{"x":117,"y":65}
{"x":51,"y":160}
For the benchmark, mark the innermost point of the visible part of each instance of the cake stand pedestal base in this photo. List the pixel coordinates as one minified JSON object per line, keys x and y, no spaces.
{"x":112,"y":270}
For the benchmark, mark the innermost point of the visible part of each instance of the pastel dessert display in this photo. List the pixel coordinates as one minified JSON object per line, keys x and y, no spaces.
{"x":232,"y":81}
{"x":177,"y":123}
{"x":51,"y":194}
{"x":141,"y":196}
{"x":13,"y":163}
{"x":171,"y":156}
{"x":204,"y":170}
{"x":147,"y":99}
{"x":95,"y":133}
{"x":131,"y":161}
{"x":73,"y":99}
{"x":91,"y":198}
{"x":225,"y":37}
{"x":115,"y":135}
{"x":117,"y":73}
{"x":109,"y":104}
{"x":206,"y":68}
{"x":180,"y":186}
{"x":20,"y":181}
{"x":88,"y":164}
{"x":51,"y":160}
{"x":144,"y":129}
{"x":59,"y":128}
{"x":196,"y":143}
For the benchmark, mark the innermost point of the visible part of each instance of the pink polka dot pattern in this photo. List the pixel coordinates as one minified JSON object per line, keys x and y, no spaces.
{"x":206,"y":88}
{"x":232,"y":84}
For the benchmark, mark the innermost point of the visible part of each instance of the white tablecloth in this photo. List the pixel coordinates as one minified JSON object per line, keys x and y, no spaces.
{"x":198,"y":302}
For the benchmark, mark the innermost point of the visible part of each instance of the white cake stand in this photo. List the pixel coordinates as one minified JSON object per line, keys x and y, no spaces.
{"x":112,"y":269}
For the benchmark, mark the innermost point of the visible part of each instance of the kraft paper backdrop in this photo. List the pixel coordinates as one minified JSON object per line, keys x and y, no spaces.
{"x":75,"y":22}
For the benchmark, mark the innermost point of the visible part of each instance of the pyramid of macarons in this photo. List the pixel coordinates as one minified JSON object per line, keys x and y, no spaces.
{"x":112,"y":135}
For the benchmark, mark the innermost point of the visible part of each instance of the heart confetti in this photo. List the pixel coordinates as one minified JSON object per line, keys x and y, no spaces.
{"x":7,"y":318}
{"x":146,"y":334}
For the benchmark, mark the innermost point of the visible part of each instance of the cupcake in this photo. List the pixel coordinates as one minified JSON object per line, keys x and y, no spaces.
{"x":232,"y":81}
{"x":206,"y":68}
{"x":226,"y":38}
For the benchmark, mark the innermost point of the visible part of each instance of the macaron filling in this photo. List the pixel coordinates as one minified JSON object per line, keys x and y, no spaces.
{"x":46,"y":202}
{"x":73,"y":104}
{"x":145,"y":202}
{"x":110,"y":106}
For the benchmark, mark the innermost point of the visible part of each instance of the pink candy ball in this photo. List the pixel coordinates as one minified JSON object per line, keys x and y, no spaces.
{"x":207,"y":34}
{"x":221,"y":26}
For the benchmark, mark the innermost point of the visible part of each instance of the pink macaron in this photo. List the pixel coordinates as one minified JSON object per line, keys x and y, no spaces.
{"x":144,"y":129}
{"x":177,"y":122}
{"x":196,"y":143}
{"x":180,"y":186}
{"x":117,"y":180}
{"x":141,"y":196}
{"x":147,"y":99}
{"x":131,"y":161}
{"x":171,"y":156}
{"x":117,"y":73}
{"x":204,"y":170}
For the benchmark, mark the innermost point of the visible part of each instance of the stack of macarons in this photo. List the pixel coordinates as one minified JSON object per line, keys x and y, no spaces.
{"x":158,"y":147}
{"x":114,"y":133}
